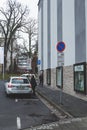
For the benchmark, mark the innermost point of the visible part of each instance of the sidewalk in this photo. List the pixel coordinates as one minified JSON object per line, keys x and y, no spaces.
{"x":75,"y":108}
{"x":72,"y":106}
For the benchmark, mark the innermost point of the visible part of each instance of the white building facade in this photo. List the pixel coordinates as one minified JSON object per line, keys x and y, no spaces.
{"x":63,"y":21}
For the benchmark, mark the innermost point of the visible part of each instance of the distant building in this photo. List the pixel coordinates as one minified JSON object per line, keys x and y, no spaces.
{"x":23,"y":64}
{"x":63,"y":20}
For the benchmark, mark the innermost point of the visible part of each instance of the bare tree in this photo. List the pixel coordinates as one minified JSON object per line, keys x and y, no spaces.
{"x":35,"y":47}
{"x":31,"y":29}
{"x":13,"y":18}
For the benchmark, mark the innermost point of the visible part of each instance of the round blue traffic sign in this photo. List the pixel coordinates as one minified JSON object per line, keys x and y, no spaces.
{"x":60,"y":46}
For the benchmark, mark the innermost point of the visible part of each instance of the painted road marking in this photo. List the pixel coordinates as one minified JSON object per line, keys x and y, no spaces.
{"x":18,"y":123}
{"x":16,"y":100}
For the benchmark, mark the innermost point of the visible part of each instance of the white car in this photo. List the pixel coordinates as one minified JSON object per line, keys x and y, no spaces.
{"x":18,"y":85}
{"x":28,"y":75}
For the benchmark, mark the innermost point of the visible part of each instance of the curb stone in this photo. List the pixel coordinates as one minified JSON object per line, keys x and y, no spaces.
{"x":55,"y":105}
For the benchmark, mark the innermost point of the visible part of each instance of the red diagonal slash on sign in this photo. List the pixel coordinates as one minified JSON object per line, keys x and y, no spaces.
{"x":60,"y":46}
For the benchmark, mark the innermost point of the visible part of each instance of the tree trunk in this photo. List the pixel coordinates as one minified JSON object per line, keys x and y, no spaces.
{"x":29,"y":45}
{"x":5,"y":60}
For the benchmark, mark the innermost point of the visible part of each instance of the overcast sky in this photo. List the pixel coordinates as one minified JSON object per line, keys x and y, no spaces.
{"x":32,"y":4}
{"x":33,"y":7}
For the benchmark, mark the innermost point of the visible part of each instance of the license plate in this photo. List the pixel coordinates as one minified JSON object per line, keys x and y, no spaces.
{"x":21,"y":87}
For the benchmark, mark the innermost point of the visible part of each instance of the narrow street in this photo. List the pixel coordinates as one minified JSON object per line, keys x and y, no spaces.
{"x":23,"y":111}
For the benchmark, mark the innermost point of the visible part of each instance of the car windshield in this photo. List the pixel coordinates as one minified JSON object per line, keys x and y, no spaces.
{"x":20,"y":81}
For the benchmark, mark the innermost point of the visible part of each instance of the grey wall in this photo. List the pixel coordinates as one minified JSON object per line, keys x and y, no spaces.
{"x":59,"y":20}
{"x":41,"y":4}
{"x":48,"y":37}
{"x":80,"y":31}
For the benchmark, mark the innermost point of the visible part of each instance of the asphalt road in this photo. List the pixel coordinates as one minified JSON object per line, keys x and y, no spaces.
{"x":22,"y":111}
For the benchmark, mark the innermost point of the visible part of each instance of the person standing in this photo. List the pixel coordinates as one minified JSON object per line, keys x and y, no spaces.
{"x":33,"y":83}
{"x":41,"y":78}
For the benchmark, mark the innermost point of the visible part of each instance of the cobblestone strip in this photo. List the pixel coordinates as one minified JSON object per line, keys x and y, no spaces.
{"x":56,"y":125}
{"x":45,"y":126}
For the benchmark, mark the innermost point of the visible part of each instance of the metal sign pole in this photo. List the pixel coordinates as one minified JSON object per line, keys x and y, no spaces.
{"x":60,"y":48}
{"x":61,"y":95}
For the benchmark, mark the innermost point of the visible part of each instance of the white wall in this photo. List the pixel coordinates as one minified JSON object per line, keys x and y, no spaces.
{"x":45,"y":34}
{"x":53,"y":33}
{"x":39,"y":35}
{"x":68,"y":31}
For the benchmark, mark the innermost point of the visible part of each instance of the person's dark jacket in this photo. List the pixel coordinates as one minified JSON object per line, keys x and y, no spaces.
{"x":33,"y":82}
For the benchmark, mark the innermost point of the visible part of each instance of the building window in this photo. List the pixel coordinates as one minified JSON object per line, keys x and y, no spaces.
{"x":49,"y":76}
{"x":59,"y":77}
{"x":80,"y":77}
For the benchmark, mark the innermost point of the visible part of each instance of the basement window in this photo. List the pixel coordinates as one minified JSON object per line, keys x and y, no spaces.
{"x":49,"y":76}
{"x":59,"y":77}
